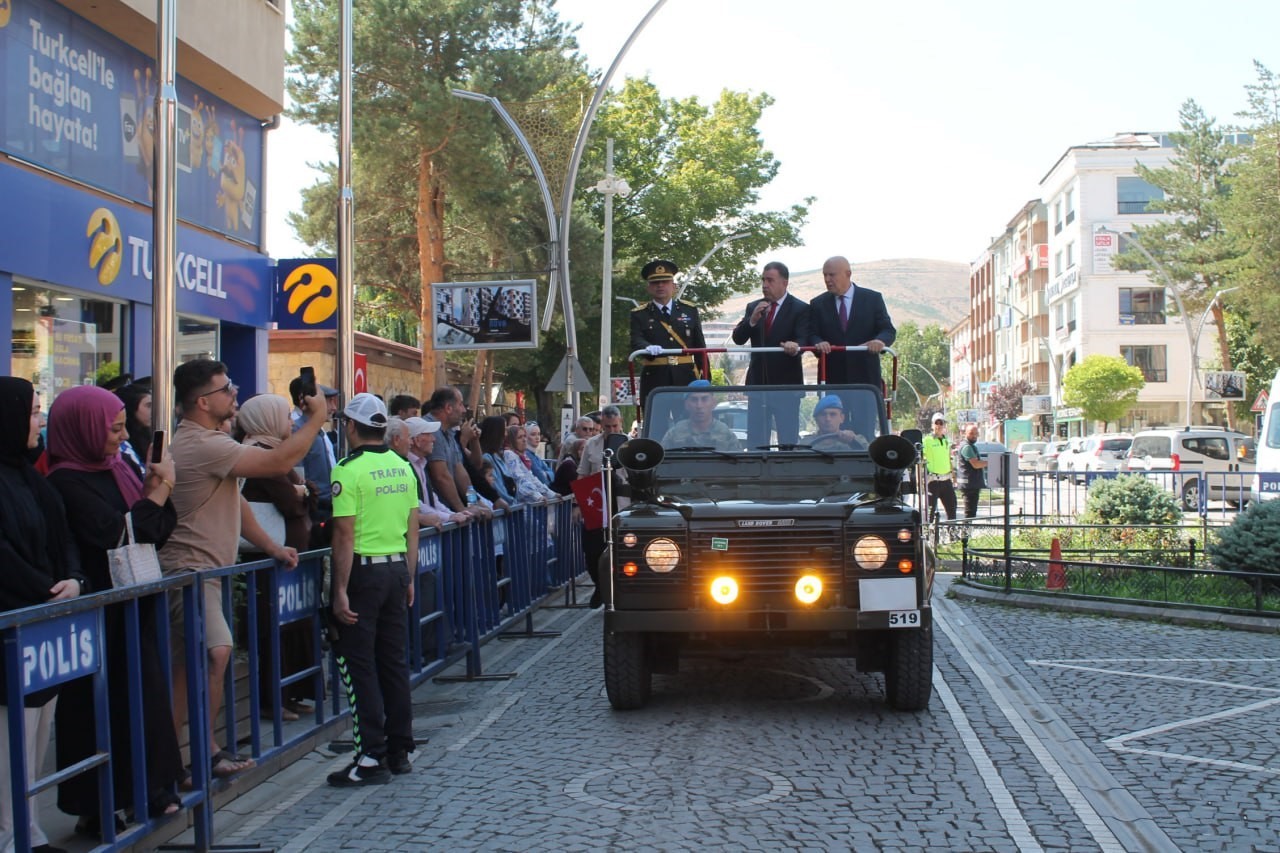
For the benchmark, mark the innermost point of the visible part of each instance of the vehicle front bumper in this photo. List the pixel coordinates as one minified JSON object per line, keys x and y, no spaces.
{"x":729,"y":620}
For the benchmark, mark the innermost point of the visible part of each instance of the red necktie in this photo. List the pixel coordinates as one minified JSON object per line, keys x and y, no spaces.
{"x":844,"y":314}
{"x":768,"y":320}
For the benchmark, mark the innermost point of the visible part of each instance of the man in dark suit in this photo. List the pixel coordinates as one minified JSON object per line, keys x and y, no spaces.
{"x":776,"y":320}
{"x":848,"y":315}
{"x":666,"y":323}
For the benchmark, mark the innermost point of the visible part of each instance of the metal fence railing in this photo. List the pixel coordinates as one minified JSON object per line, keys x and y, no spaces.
{"x":474,"y":582}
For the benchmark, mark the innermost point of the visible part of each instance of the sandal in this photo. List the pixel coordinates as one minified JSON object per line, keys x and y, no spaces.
{"x":226,"y":764}
{"x":164,"y":804}
{"x":298,"y":706}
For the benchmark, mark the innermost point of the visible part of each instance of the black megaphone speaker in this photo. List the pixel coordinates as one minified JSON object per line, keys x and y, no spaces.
{"x":892,"y":455}
{"x":640,"y":454}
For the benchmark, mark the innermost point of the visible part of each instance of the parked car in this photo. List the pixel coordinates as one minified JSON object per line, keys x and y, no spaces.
{"x":1029,"y":454}
{"x":1068,"y":457}
{"x":1048,"y":461}
{"x":1107,"y":452}
{"x":1175,"y":456}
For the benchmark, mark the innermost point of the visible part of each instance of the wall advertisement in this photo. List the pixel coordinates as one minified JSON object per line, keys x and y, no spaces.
{"x":80,"y":102}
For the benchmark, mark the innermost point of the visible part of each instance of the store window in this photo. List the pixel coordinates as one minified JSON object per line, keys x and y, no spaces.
{"x":61,"y":339}
{"x":197,"y":338}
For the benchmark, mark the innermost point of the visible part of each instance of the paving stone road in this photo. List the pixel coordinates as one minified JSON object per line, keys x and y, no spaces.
{"x":1047,"y":731}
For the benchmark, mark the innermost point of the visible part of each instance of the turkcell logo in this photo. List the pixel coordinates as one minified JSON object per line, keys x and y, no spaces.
{"x":59,"y":650}
{"x":313,"y":293}
{"x":106,"y":244}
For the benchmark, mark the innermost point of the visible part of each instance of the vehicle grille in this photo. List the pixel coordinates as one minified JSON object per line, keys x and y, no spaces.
{"x":766,"y":561}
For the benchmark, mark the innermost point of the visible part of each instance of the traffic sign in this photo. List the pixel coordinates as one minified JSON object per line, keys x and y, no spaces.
{"x":1260,"y":404}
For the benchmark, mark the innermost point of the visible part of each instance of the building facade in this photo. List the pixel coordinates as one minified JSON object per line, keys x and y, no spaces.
{"x":77,"y":135}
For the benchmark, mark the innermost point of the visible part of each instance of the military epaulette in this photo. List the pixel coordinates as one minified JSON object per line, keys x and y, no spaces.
{"x":641,"y":307}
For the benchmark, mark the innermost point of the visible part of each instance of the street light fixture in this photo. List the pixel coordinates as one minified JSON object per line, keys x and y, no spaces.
{"x":1195,"y":347}
{"x":693,"y":271}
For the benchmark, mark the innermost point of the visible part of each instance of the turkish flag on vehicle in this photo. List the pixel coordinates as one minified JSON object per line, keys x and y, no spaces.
{"x":589,"y":492}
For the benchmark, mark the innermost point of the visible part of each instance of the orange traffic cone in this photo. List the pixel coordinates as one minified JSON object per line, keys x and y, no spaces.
{"x":1057,"y":578}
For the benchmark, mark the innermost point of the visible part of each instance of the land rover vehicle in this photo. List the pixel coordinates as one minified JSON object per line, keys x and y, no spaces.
{"x":728,"y":550}
{"x":1180,"y":457}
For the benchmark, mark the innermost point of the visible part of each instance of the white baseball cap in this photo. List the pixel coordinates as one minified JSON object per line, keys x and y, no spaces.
{"x":368,"y":410}
{"x":419,"y":426}
{"x":939,"y":418}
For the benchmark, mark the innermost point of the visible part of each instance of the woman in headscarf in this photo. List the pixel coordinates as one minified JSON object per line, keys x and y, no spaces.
{"x":137,"y":423}
{"x":265,"y":422}
{"x":40,"y":565}
{"x":87,"y":426}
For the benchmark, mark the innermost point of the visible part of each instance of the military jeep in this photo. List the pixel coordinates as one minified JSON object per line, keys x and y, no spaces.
{"x":807,"y":546}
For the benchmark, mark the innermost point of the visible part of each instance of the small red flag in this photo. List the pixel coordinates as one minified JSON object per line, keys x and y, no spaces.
{"x":589,"y":492}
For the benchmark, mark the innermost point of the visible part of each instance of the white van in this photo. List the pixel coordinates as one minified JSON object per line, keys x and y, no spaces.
{"x":1266,"y":477}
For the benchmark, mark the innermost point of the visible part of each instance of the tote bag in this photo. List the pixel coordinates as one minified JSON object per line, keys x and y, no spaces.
{"x":270,"y":520}
{"x":132,"y":562}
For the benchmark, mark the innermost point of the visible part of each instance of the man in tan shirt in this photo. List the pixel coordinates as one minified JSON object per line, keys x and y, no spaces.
{"x":212,"y":514}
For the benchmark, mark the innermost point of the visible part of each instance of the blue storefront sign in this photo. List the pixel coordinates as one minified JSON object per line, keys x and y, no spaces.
{"x":68,"y":236}
{"x":80,"y":102}
{"x":59,"y":650}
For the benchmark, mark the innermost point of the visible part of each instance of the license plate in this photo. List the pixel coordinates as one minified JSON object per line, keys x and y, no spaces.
{"x":904,"y":619}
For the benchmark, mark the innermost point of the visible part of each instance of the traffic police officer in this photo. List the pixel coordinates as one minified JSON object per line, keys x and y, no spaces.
{"x":666,"y":323}
{"x":375,"y":556}
{"x":937,"y":463}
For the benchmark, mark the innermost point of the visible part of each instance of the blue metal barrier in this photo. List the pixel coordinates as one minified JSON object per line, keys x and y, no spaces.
{"x":463,"y":598}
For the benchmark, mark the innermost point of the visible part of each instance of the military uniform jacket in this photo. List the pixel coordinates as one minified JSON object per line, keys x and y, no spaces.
{"x":718,"y":436}
{"x":647,"y":328}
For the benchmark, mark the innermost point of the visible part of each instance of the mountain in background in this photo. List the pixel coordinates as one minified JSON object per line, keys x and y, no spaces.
{"x":914,"y":289}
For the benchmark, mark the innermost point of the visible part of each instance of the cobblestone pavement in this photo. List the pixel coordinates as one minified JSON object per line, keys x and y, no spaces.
{"x":1046,"y":731}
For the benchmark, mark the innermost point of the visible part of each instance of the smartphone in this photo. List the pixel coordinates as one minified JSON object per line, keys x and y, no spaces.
{"x":308,"y":375}
{"x":157,"y":445}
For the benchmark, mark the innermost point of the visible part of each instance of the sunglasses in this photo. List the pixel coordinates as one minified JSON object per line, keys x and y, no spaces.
{"x":230,"y":388}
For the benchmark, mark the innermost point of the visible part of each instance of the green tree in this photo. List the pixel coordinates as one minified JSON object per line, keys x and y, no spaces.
{"x":1104,"y":387}
{"x":924,"y":370}
{"x":1004,"y":401}
{"x":1251,"y":356}
{"x":1192,"y":246}
{"x":416,"y":144}
{"x":1253,"y":211}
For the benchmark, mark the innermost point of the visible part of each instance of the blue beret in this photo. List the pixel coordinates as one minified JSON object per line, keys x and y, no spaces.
{"x":700,"y":383}
{"x":831,"y":401}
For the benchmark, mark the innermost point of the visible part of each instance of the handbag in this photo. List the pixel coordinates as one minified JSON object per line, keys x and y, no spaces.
{"x":132,"y":562}
{"x":270,"y":519}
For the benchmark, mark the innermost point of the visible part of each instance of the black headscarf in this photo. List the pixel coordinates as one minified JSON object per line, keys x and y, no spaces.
{"x":16,"y":399}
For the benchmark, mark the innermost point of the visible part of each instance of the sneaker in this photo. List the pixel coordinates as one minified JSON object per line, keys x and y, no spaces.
{"x":363,"y":771}
{"x":398,"y":762}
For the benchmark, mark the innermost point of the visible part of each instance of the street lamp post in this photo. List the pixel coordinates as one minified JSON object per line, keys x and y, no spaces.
{"x":693,"y":271}
{"x":1195,"y":348}
{"x":609,"y":186}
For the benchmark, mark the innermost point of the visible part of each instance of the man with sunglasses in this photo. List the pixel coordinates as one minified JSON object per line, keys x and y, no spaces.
{"x":212,"y":515}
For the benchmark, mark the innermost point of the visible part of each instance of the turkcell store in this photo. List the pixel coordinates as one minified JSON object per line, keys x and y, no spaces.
{"x":76,"y":148}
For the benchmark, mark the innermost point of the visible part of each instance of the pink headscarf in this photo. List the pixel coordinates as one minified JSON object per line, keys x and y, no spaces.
{"x":79,"y":420}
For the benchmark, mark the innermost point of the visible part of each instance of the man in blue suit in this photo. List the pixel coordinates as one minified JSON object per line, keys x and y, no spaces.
{"x":776,"y":320}
{"x":849,"y":315}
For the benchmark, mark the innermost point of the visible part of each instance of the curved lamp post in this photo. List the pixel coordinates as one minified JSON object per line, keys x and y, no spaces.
{"x":693,"y":270}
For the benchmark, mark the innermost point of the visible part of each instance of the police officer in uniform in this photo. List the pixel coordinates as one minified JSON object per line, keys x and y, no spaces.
{"x":937,"y":463}
{"x":375,"y":556}
{"x":666,"y":323}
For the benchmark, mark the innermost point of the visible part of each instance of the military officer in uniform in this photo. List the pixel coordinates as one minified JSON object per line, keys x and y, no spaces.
{"x":666,"y":323}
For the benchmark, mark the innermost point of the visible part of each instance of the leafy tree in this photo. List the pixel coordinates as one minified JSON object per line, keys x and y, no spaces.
{"x":1104,"y":387}
{"x":924,"y":363}
{"x":1253,"y":212}
{"x":416,"y":143}
{"x":1249,"y":355}
{"x":1192,"y":246}
{"x":1005,"y":401}
{"x":1249,"y":544}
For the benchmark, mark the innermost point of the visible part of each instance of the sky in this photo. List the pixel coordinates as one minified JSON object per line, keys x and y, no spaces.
{"x":921,"y":127}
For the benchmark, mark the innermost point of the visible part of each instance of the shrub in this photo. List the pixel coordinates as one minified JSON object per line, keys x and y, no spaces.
{"x":1130,"y":499}
{"x":1252,"y":542}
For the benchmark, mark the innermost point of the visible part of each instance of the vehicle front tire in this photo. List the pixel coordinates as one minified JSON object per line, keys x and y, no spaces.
{"x":908,"y":672}
{"x":628,"y":673}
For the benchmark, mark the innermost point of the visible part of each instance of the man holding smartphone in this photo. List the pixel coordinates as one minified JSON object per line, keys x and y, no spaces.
{"x":212,"y":515}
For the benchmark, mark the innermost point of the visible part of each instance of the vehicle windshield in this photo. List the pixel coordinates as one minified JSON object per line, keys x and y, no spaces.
{"x":767,"y":419}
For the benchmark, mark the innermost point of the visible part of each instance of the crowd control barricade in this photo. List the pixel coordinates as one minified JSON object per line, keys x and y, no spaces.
{"x":463,"y":598}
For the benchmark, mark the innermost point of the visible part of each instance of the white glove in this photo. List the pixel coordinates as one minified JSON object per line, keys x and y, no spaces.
{"x":653,"y":349}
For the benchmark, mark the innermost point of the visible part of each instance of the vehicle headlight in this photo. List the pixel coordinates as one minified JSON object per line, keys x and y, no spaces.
{"x":808,"y":589}
{"x":724,"y":590}
{"x":629,"y":539}
{"x":662,"y":555}
{"x":871,"y":552}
